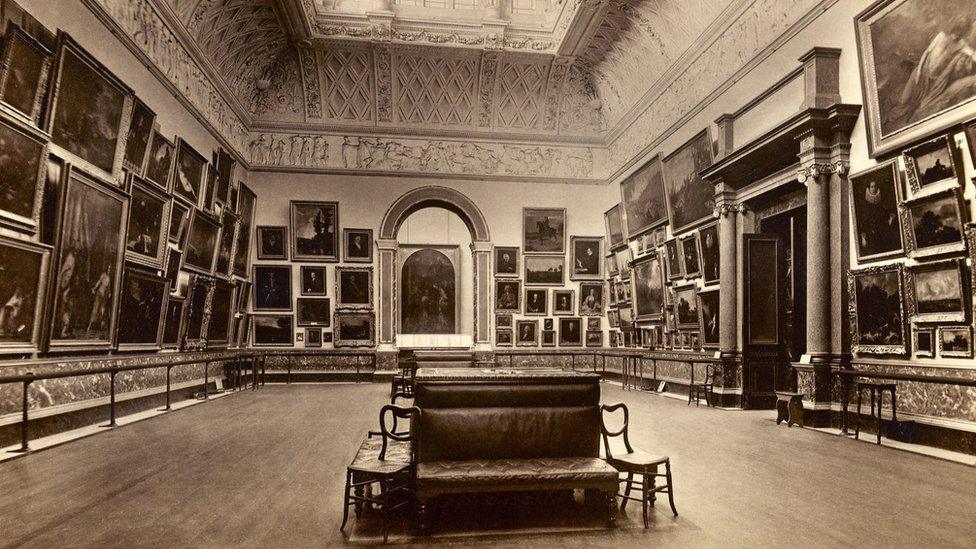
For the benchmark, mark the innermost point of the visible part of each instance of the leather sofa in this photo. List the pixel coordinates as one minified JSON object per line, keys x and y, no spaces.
{"x":444,"y":359}
{"x":486,"y":437}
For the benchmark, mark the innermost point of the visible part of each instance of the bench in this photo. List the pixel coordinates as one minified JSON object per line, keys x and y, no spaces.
{"x":497,"y":437}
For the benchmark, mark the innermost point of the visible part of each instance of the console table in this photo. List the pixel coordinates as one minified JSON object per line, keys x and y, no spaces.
{"x":877,"y":388}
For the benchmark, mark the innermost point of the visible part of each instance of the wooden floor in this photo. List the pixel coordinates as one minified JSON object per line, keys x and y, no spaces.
{"x":265,"y":469}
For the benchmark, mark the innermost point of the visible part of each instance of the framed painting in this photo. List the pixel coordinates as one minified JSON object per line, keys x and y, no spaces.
{"x":23,"y":167}
{"x":354,"y":287}
{"x":970,"y":132}
{"x":358,"y":245}
{"x":159,"y":160}
{"x":563,"y":302}
{"x":242,"y":250}
{"x":225,"y":164}
{"x":614,"y":224}
{"x":199,"y":298}
{"x":141,"y":310}
{"x":272,"y":242}
{"x":528,"y":333}
{"x":89,"y":264}
{"x":508,"y":295}
{"x":923,"y":342}
{"x":273,"y":330}
{"x":141,"y":126}
{"x":691,"y":199}
{"x":933,"y":225}
{"x":503,"y":337}
{"x":708,"y":303}
{"x":189,"y":171}
{"x":544,"y":270}
{"x":228,"y":235}
{"x":272,"y":287}
{"x":594,"y":323}
{"x":506,"y":261}
{"x":956,"y":342}
{"x":174,"y":262}
{"x":24,"y":72}
{"x":313,"y":338}
{"x":623,"y":257}
{"x":594,"y":338}
{"x":690,"y":256}
{"x":182,"y":285}
{"x":179,"y":222}
{"x":586,"y":257}
{"x":936,"y":291}
{"x":23,"y":282}
{"x":877,"y":311}
{"x":173,"y":323}
{"x":613,"y":318}
{"x":648,"y":281}
{"x":933,"y":166}
{"x":314,"y":228}
{"x":591,"y":299}
{"x":875,"y":195}
{"x":642,"y":197}
{"x":548,"y":324}
{"x":201,"y":242}
{"x":209,"y":191}
{"x":536,"y":302}
{"x":503,"y":321}
{"x":354,"y":329}
{"x":544,"y":230}
{"x":221,"y":315}
{"x":89,"y":110}
{"x":710,"y":257}
{"x":686,"y":306}
{"x":971,"y":239}
{"x":570,"y":332}
{"x":149,"y":217}
{"x":912,"y":79}
{"x":673,"y":263}
{"x":548,"y":338}
{"x":314,"y":311}
{"x":611,"y":265}
{"x":314,"y":281}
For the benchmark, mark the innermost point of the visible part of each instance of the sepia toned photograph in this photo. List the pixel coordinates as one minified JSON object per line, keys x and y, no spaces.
{"x":570,"y":332}
{"x":159,"y":160}
{"x":545,"y":270}
{"x":503,"y":337}
{"x":358,"y":246}
{"x":179,"y":222}
{"x":201,"y":242}
{"x":936,"y":292}
{"x":648,"y":279}
{"x":875,"y":195}
{"x":932,"y":166}
{"x":686,"y":306}
{"x":314,"y":281}
{"x":536,"y":302}
{"x":527,"y":333}
{"x":242,"y":248}
{"x":956,"y":342}
{"x":225,"y":250}
{"x":708,"y":304}
{"x":314,"y":231}
{"x":508,"y":294}
{"x":543,"y":230}
{"x":586,"y":258}
{"x":503,"y":321}
{"x":189,"y":171}
{"x":313,"y":337}
{"x":923,"y":342}
{"x":594,"y":338}
{"x":354,"y":287}
{"x":272,"y":242}
{"x":429,"y":283}
{"x":673,"y":262}
{"x":23,"y":164}
{"x":936,"y":225}
{"x":149,"y":216}
{"x":506,"y":261}
{"x":690,"y":256}
{"x":548,"y":338}
{"x":591,"y":299}
{"x":273,"y":330}
{"x":173,"y":323}
{"x":272,"y":287}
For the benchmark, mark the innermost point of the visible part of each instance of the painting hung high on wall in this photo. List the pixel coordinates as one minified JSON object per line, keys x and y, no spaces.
{"x":708,"y":310}
{"x":137,"y":140}
{"x":933,"y":166}
{"x":201,"y":243}
{"x":586,"y":258}
{"x":877,"y":313}
{"x":23,"y":272}
{"x":643,"y":198}
{"x":272,"y":287}
{"x":315,"y":234}
{"x":179,"y":222}
{"x":875,"y":195}
{"x":429,"y":302}
{"x":141,"y":309}
{"x":690,"y":256}
{"x":916,"y":75}
{"x":355,"y":329}
{"x":358,"y":245}
{"x":159,"y":161}
{"x":591,"y":299}
{"x":228,"y":233}
{"x":149,"y":216}
{"x":188,"y":173}
{"x":673,"y":256}
{"x":313,"y":280}
{"x":245,"y":209}
{"x":23,"y":163}
{"x":544,"y":270}
{"x":354,"y":287}
{"x":648,"y":281}
{"x":614,"y":223}
{"x":506,"y":260}
{"x":935,"y":225}
{"x":536,"y":302}
{"x":935,"y":292}
{"x":690,"y":198}
{"x":708,"y":240}
{"x":544,"y":230}
{"x":272,"y":242}
{"x":24,"y":72}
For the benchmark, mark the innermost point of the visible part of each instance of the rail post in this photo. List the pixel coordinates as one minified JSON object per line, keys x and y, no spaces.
{"x":24,"y":428}
{"x":206,"y":380}
{"x":168,"y":387}
{"x":111,"y":390}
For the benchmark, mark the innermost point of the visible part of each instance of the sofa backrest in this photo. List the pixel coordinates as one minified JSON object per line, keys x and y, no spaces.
{"x":482,"y":395}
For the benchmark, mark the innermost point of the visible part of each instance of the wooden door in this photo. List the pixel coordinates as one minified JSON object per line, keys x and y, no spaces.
{"x":763,"y":319}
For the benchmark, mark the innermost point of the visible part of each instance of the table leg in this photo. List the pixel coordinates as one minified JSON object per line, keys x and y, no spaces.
{"x":878,"y":420}
{"x":857,"y":416}
{"x":894,"y":406}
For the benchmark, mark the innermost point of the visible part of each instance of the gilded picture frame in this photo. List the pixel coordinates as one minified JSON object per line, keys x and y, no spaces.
{"x":150,"y":215}
{"x":884,"y":338}
{"x":875,"y":195}
{"x":23,"y":173}
{"x":349,"y":291}
{"x":347,"y":335}
{"x":20,"y":48}
{"x":933,"y":225}
{"x":943,"y":276}
{"x":23,"y":271}
{"x":961,"y":344}
{"x":924,"y":177}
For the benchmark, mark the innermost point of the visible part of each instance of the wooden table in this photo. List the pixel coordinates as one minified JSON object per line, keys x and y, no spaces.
{"x":877,"y":388}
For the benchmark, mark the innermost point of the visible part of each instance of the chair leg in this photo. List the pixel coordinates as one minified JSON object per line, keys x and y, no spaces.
{"x":630,"y":484}
{"x":691,"y":392}
{"x":611,"y":498}
{"x":667,"y":470}
{"x":423,"y":517}
{"x":360,"y":494}
{"x":345,"y":501}
{"x":644,"y":483}
{"x":385,"y":503}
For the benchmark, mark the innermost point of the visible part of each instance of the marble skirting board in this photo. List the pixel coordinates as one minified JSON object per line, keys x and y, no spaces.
{"x":323,"y":362}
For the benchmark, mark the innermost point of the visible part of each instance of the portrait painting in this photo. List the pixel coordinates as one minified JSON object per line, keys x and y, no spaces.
{"x":506,"y":260}
{"x":936,"y":292}
{"x":710,"y":262}
{"x":508,"y":295}
{"x":225,"y":250}
{"x":648,"y":280}
{"x":225,"y":169}
{"x":643,"y":198}
{"x":503,"y":321}
{"x":956,"y":342}
{"x":686,"y":306}
{"x":149,"y":216}
{"x":159,"y":161}
{"x":173,"y":323}
{"x":314,"y":311}
{"x":875,"y":195}
{"x":936,"y":225}
{"x":273,"y":330}
{"x":174,"y":261}
{"x":548,"y":324}
{"x":272,"y":287}
{"x":358,"y":245}
{"x":355,"y":329}
{"x":528,"y":333}
{"x":708,"y":307}
{"x":933,"y":166}
{"x":877,"y":313}
{"x":314,"y":281}
{"x":272,"y":242}
{"x":691,"y":199}
{"x":544,"y":270}
{"x":563,"y":302}
{"x":88,"y":271}
{"x":179,"y":222}
{"x":594,"y":338}
{"x":188,"y":173}
{"x":23,"y":163}
{"x":544,"y":230}
{"x":23,"y":275}
{"x":141,"y":309}
{"x":354,"y":287}
{"x":591,"y":299}
{"x":201,"y":242}
{"x":614,"y":223}
{"x":200,"y":295}
{"x":242,"y":248}
{"x":586,"y":257}
{"x":613,"y":318}
{"x":536,"y":302}
{"x":548,"y":338}
{"x":690,"y":257}
{"x":221,"y":313}
{"x":314,"y":227}
{"x":923,"y":342}
{"x":313,"y":337}
{"x":503,"y":337}
{"x":137,"y":141}
{"x":24,"y":72}
{"x":673,"y":257}
{"x":90,"y":110}
{"x":570,"y":332}
{"x":916,"y":75}
{"x":428,"y":289}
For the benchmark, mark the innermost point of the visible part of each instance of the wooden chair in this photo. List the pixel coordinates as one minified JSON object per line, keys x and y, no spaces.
{"x":698,"y":388}
{"x":404,"y":381}
{"x":387,"y":462}
{"x":636,"y":462}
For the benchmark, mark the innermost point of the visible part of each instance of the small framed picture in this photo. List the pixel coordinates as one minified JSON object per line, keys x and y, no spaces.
{"x":506,"y":261}
{"x":563,"y":302}
{"x":314,"y":281}
{"x":673,"y":264}
{"x":585,"y":258}
{"x":358,"y":245}
{"x":314,"y":311}
{"x":272,"y":242}
{"x":313,"y":337}
{"x":503,"y":321}
{"x":545,"y":270}
{"x":507,"y":296}
{"x":956,"y":341}
{"x":528,"y":333}
{"x":933,"y":166}
{"x":548,"y":324}
{"x":570,"y":332}
{"x":594,"y":323}
{"x":690,"y":256}
{"x":594,"y":338}
{"x":923,"y":342}
{"x":549,"y":338}
{"x":591,"y":298}
{"x":936,"y":292}
{"x":536,"y":302}
{"x":503,"y":337}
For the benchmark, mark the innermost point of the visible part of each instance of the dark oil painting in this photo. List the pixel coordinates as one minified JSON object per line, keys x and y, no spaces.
{"x":428,"y":294}
{"x":200,"y":294}
{"x":354,"y":329}
{"x":878,"y":308}
{"x":201,"y":244}
{"x":570,"y":332}
{"x":535,"y":302}
{"x":273,"y":330}
{"x":689,"y":252}
{"x":613,"y":220}
{"x":708,"y":239}
{"x":931,"y":162}
{"x":544,"y":270}
{"x":938,"y":289}
{"x":591,"y":298}
{"x":314,"y":228}
{"x":140,"y":132}
{"x":21,"y":268}
{"x":25,"y":68}
{"x":146,"y":213}
{"x":690,"y":198}
{"x":179,"y":222}
{"x":188,"y":173}
{"x":313,"y":280}
{"x":141,"y":308}
{"x":936,"y":221}
{"x":272,"y":243}
{"x":506,"y":260}
{"x":508,"y":295}
{"x":709,"y":317}
{"x":272,"y":287}
{"x":173,"y":322}
{"x":643,"y":198}
{"x":686,"y":306}
{"x":563,"y":302}
{"x":218,"y":330}
{"x":649,"y":288}
{"x":544,"y":230}
{"x":20,"y":168}
{"x":314,"y":312}
{"x":875,"y":198}
{"x":586,"y":258}
{"x":354,"y":287}
{"x":359,"y":245}
{"x":160,"y":161}
{"x":227,"y":233}
{"x":246,"y":199}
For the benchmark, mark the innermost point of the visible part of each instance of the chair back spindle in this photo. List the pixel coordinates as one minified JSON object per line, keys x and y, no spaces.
{"x":390,"y":432}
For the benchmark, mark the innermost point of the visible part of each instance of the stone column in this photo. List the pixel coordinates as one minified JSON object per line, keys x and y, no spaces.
{"x":728,"y":280}
{"x":815,"y":172}
{"x":387,"y":249}
{"x":481,"y":263}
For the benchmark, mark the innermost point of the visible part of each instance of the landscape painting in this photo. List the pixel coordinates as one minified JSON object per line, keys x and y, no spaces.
{"x":877,"y":315}
{"x":936,"y":225}
{"x":648,"y":280}
{"x":956,"y":341}
{"x":932,"y":166}
{"x":691,"y":199}
{"x":643,"y":198}
{"x":273,"y":330}
{"x":545,"y":270}
{"x":355,"y":329}
{"x":614,"y":222}
{"x":314,"y":227}
{"x":544,"y":230}
{"x":936,"y":292}
{"x":428,"y":291}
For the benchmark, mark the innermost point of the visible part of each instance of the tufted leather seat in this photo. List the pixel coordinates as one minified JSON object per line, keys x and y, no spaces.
{"x":479,"y":475}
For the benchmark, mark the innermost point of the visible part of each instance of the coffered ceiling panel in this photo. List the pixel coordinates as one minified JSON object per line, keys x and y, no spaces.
{"x":435,"y":90}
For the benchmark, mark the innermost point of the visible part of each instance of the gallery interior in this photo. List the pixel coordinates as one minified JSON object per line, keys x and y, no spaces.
{"x":610,"y":273}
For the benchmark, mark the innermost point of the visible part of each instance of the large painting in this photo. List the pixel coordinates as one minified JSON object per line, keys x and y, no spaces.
{"x":137,"y":141}
{"x":90,"y":110}
{"x":242,"y":251}
{"x":544,"y":230}
{"x":875,"y":195}
{"x":691,"y":199}
{"x":315,"y":234}
{"x":23,"y":272}
{"x":648,"y":279}
{"x":428,"y":290}
{"x":643,"y":198}
{"x":89,"y":264}
{"x":918,"y":73}
{"x":141,"y":310}
{"x":23,"y":76}
{"x":273,"y":330}
{"x":614,"y":224}
{"x":188,"y":173}
{"x":876,"y":310}
{"x":149,"y":217}
{"x":23,"y":162}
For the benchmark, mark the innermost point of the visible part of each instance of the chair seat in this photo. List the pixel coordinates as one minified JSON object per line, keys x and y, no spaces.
{"x":502,"y":471}
{"x":636,"y":459}
{"x":368,"y":460}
